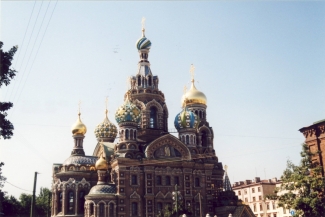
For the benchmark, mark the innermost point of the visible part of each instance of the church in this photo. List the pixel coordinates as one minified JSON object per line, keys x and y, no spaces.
{"x":138,"y":168}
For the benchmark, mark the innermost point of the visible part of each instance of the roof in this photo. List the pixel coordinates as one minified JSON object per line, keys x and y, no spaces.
{"x":80,"y":160}
{"x":103,"y":189}
{"x":226,"y":183}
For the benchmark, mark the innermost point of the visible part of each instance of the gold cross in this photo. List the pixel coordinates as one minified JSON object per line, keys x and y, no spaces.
{"x":192,"y":69}
{"x":143,"y":22}
{"x":185,"y":89}
{"x":106,"y":102}
{"x":226,"y":168}
{"x":79,"y":105}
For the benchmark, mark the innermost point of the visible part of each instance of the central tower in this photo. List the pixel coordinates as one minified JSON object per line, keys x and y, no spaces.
{"x":145,"y":94}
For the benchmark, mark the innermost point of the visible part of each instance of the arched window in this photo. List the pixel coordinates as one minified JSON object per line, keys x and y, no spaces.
{"x":196,"y":112}
{"x":187,"y":139}
{"x":81,"y":208}
{"x":101,"y":210}
{"x":122,"y":134}
{"x":167,"y":180}
{"x":135,"y":135}
{"x":70,"y":202}
{"x":200,"y":114}
{"x":153,"y":117}
{"x":139,"y":80}
{"x":158,"y":180}
{"x":131,"y":134}
{"x":127,"y":134}
{"x":91,"y":209}
{"x":149,"y":81}
{"x":183,"y":139}
{"x":204,"y":139}
{"x":60,"y":202}
{"x":197,"y":182}
{"x":111,"y":210}
{"x":134,"y":208}
{"x":191,"y":141}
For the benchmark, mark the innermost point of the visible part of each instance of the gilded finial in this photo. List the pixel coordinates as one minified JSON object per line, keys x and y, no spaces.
{"x":192,"y":70}
{"x":79,"y":105}
{"x":185,"y":89}
{"x":143,"y":22}
{"x":106,"y":103}
{"x":226,"y":168}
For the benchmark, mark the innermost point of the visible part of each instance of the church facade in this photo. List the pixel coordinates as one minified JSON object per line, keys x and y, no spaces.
{"x":136,"y":174}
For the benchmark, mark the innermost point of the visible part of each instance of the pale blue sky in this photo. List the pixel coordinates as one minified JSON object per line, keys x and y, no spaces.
{"x":260,"y":64}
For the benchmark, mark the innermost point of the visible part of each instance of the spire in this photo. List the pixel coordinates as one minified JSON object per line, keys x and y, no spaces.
{"x":226,"y":181}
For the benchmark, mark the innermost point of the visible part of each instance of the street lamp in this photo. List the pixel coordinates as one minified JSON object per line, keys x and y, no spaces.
{"x":176,"y":197}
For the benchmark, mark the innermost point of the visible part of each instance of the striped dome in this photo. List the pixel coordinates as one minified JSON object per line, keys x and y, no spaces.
{"x":185,"y":119}
{"x":128,"y":112}
{"x":143,"y":43}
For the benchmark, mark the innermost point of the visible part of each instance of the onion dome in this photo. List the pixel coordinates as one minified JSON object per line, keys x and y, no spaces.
{"x":101,"y":164}
{"x":80,"y":160}
{"x":128,"y":112}
{"x":103,"y":189}
{"x":185,"y":119}
{"x":79,"y":128}
{"x":194,"y":96}
{"x":143,"y":43}
{"x":106,"y":129}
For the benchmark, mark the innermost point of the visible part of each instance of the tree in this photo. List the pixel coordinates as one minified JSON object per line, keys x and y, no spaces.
{"x":6,"y":74}
{"x":2,"y":180}
{"x":302,"y":188}
{"x":42,"y":201}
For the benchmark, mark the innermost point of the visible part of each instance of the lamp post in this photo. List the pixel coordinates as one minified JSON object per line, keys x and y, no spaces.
{"x":176,"y":197}
{"x":33,"y":198}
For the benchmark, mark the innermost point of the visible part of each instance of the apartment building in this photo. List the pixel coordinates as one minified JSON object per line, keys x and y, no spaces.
{"x":254,"y":192}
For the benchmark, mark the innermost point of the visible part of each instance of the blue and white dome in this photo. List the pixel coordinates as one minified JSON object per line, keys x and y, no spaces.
{"x":128,"y":112}
{"x":143,"y":43}
{"x":185,"y":119}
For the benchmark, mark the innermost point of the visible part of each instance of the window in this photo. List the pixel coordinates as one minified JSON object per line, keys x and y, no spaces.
{"x":253,"y":190}
{"x":254,"y":207}
{"x":204,"y":139}
{"x":273,"y":205}
{"x":197,"y":182}
{"x":267,"y":206}
{"x":245,"y":191}
{"x":111,"y":210}
{"x":246,"y":199}
{"x":274,"y":215}
{"x":135,"y":135}
{"x":101,"y":210}
{"x":139,"y":81}
{"x":159,"y":207}
{"x":259,"y":197}
{"x":153,"y":117}
{"x":158,"y":180}
{"x":239,"y":192}
{"x":167,"y":180}
{"x":134,"y":208}
{"x":187,"y":139}
{"x":70,"y":202}
{"x":131,"y":134}
{"x":134,"y":180}
{"x":176,"y":180}
{"x":149,"y":80}
{"x":91,"y":209}
{"x":254,"y":199}
{"x":259,"y":189}
{"x":126,"y":134}
{"x":60,"y":202}
{"x":81,"y":201}
{"x":261,"y":207}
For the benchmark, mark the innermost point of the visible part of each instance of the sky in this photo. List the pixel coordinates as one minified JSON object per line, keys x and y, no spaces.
{"x":260,"y":64}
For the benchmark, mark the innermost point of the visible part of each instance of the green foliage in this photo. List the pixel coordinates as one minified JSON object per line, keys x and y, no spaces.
{"x":303,"y":187}
{"x":173,"y":212}
{"x":6,"y":74}
{"x":18,"y":208}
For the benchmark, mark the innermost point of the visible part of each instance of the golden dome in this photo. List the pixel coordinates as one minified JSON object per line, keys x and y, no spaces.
{"x":194,"y":96}
{"x":101,"y":163}
{"x":79,"y":127}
